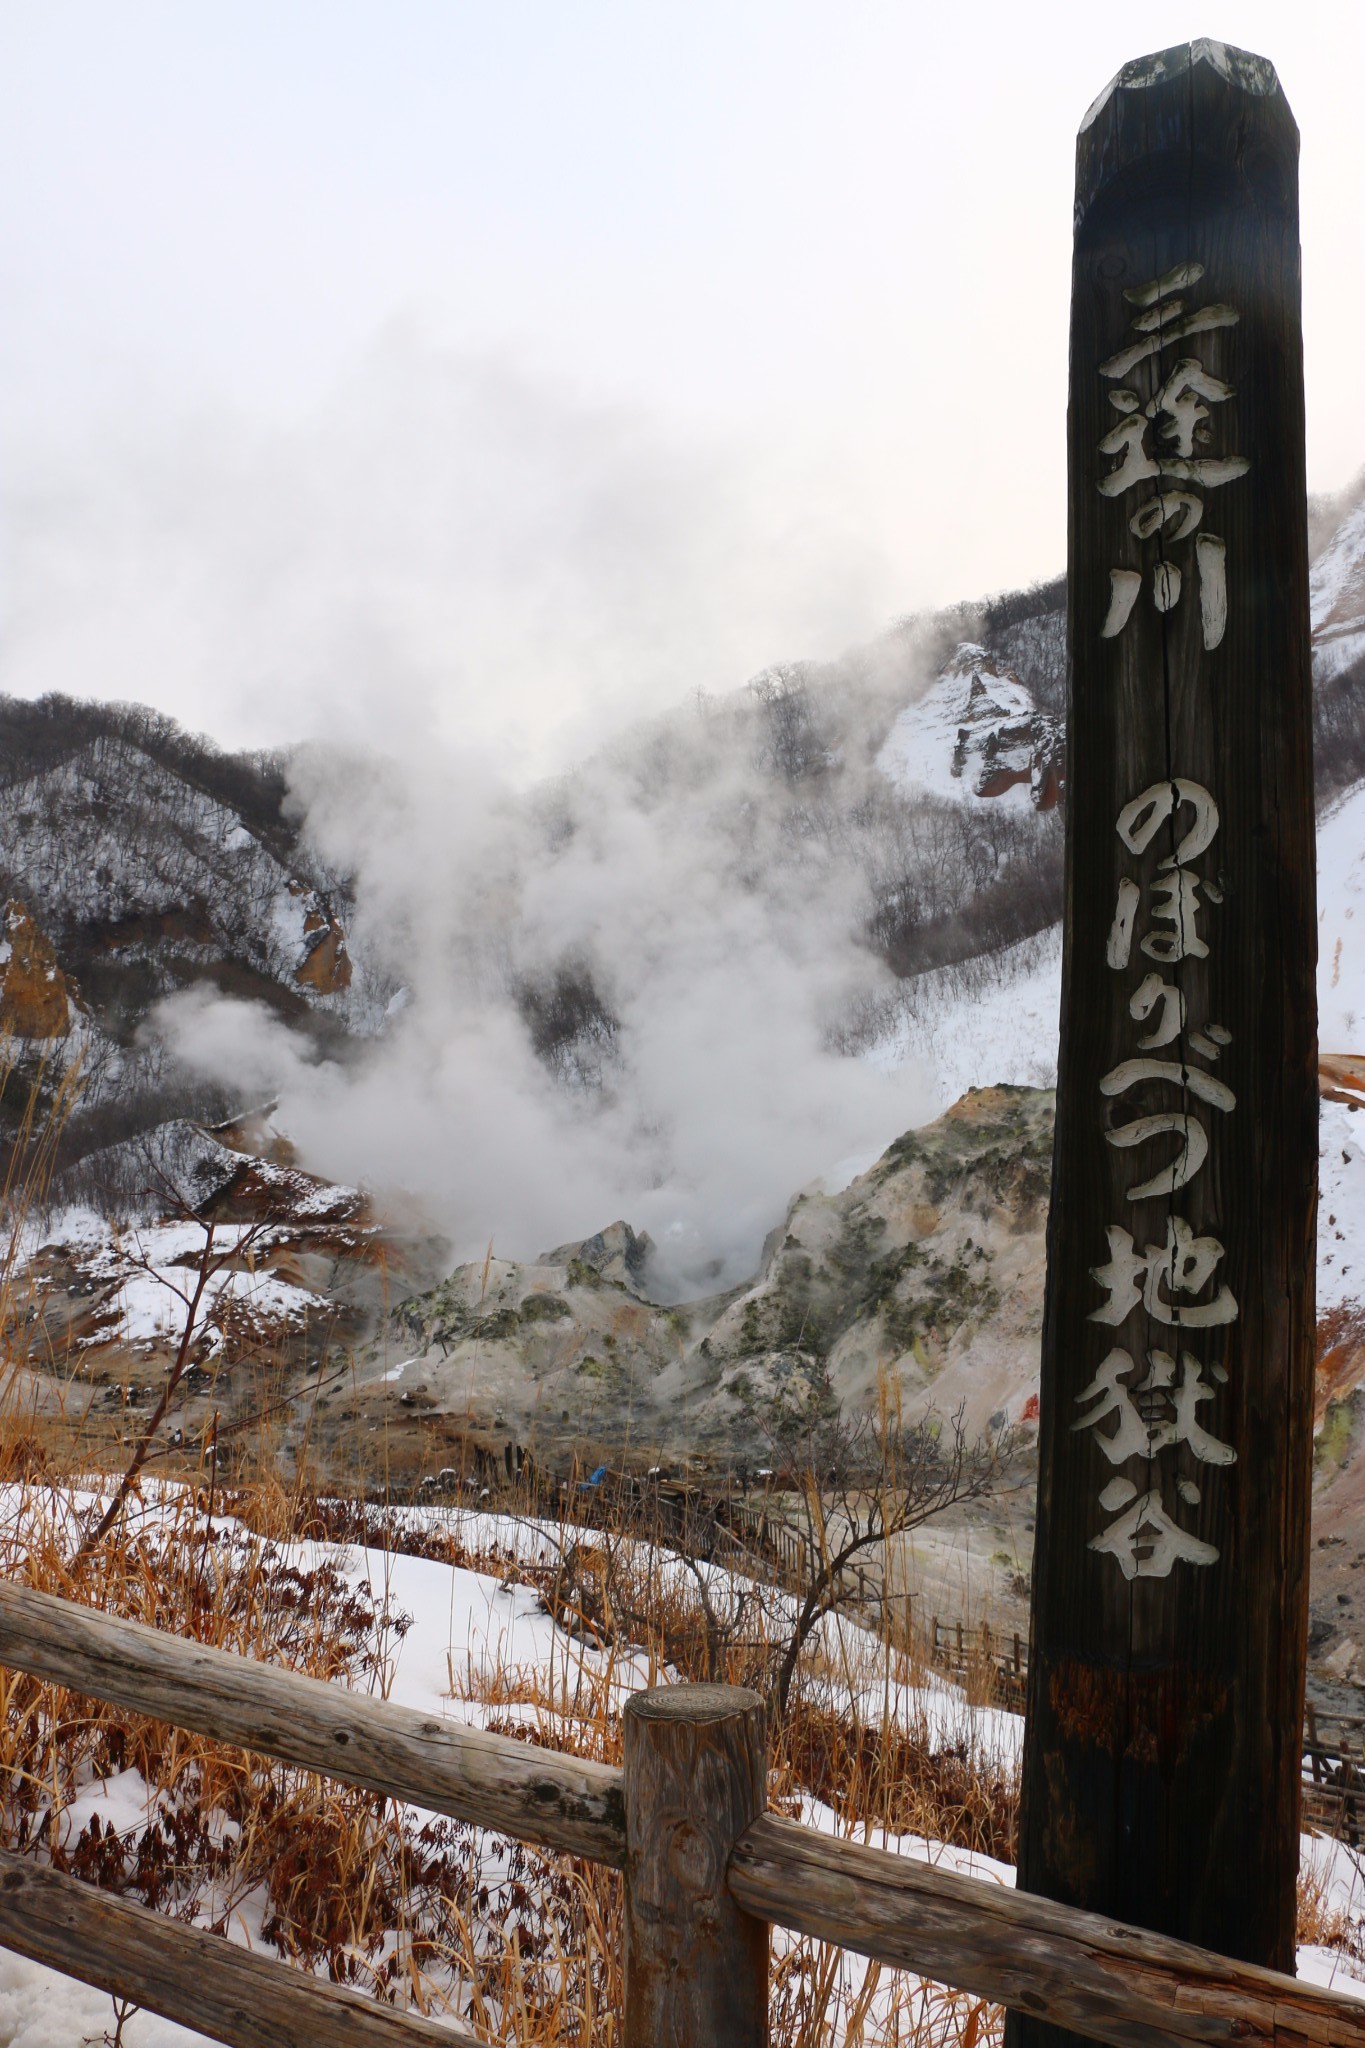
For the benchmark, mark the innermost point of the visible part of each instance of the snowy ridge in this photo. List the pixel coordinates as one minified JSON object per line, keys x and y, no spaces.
{"x":985,"y":1025}
{"x":1337,"y":598}
{"x":111,"y":840}
{"x":975,"y":736}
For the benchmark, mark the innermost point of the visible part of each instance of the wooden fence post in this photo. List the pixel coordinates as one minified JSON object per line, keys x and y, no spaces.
{"x":696,"y":1772}
{"x":1162,"y":1750}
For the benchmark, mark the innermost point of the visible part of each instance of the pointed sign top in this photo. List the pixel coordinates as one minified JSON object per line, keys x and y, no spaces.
{"x":1203,"y":102}
{"x":1239,"y":67}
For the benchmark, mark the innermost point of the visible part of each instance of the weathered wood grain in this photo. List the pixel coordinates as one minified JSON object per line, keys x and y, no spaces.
{"x":197,"y":1979}
{"x":1080,"y":1971}
{"x":1161,"y":1768}
{"x":535,"y":1794}
{"x":696,"y":1775}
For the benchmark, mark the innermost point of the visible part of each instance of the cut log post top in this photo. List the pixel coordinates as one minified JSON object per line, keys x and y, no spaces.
{"x":1240,"y":69}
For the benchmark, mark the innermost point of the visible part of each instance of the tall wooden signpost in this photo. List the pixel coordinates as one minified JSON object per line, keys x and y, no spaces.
{"x":1161,"y":1764}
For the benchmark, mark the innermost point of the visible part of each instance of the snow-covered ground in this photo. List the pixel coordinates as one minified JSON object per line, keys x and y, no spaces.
{"x":139,"y":1280}
{"x":1341,"y":926}
{"x":994,"y":1022}
{"x":469,"y":1627}
{"x":1341,"y":1205}
{"x":1337,"y":598}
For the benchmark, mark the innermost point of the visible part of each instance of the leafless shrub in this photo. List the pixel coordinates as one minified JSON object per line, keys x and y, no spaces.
{"x":794,"y":748}
{"x":949,"y":882}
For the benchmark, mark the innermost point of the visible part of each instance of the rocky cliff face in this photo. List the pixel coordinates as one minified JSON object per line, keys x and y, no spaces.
{"x":138,"y":862}
{"x":300,"y":1275}
{"x":144,"y":883}
{"x":925,"y":1273}
{"x":978,"y":735}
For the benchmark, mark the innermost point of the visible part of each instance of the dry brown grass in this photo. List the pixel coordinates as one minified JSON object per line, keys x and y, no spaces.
{"x":1323,"y":1920}
{"x":525,"y":1945}
{"x":528,"y":1944}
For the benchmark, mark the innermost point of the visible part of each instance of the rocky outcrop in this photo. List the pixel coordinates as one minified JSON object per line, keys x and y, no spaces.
{"x":977,"y":734}
{"x":924,"y":1276}
{"x":36,"y":999}
{"x":617,"y":1254}
{"x":326,"y":966}
{"x":141,"y":862}
{"x":922,"y":1279}
{"x":146,"y":881}
{"x":302,"y":1269}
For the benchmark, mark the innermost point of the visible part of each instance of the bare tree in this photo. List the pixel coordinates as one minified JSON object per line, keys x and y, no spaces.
{"x":795,"y":748}
{"x":691,"y":1587}
{"x":632,"y":1580}
{"x":209,"y":1264}
{"x":865,"y":1482}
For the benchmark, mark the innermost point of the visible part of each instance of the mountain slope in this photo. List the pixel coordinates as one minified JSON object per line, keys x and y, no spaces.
{"x":144,"y":879}
{"x":691,"y":930}
{"x":135,"y":862}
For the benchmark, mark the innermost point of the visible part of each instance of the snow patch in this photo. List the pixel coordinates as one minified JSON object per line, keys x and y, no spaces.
{"x":972,"y":737}
{"x":978,"y":1028}
{"x":1336,"y":583}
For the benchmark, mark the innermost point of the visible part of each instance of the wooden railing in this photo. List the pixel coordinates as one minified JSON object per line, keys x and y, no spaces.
{"x":706,"y":1870}
{"x":999,"y":1655}
{"x":1333,"y":1772}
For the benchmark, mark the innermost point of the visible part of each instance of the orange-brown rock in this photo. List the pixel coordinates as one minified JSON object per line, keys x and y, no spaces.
{"x":35,"y":997}
{"x":327,"y":965}
{"x":997,"y":780}
{"x":1341,"y":1077}
{"x":1340,"y":1356}
{"x":1049,"y":790}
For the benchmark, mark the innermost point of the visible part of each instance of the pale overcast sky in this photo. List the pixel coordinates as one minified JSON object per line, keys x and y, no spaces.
{"x":508,"y":365}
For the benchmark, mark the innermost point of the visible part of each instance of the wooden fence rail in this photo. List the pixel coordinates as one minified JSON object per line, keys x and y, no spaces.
{"x":197,"y":1979}
{"x":1333,"y":1756}
{"x":535,"y":1794}
{"x":706,"y":1871}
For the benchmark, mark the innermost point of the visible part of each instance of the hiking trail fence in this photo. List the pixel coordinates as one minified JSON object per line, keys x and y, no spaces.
{"x":707,"y":1871}
{"x":764,"y":1540}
